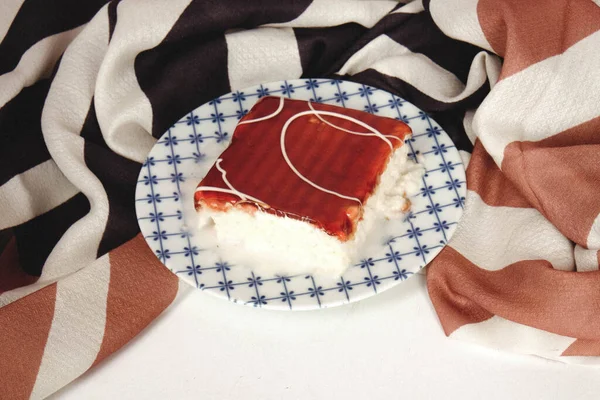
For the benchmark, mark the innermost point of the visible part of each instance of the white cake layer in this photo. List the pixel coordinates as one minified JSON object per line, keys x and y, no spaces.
{"x":272,"y":244}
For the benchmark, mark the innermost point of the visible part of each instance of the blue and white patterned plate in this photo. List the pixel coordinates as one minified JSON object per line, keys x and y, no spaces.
{"x":185,"y":153}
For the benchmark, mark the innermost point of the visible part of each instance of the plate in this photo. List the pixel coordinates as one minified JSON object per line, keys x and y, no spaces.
{"x":185,"y":153}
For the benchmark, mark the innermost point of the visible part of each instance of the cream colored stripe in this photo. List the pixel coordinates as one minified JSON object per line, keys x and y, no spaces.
{"x":246,"y":61}
{"x":465,"y":157}
{"x":593,"y":240}
{"x":77,"y":328}
{"x":123,"y":110}
{"x":586,"y":259}
{"x":495,"y":237}
{"x":34,"y":192}
{"x":37,"y":62}
{"x":468,"y":125}
{"x":63,"y":116}
{"x":501,"y":334}
{"x":337,"y":12}
{"x":389,"y":57}
{"x":8,"y":11}
{"x":544,"y":99}
{"x":459,"y":20}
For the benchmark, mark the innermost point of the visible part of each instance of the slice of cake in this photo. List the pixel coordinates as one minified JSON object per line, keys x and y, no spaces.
{"x":301,"y":184}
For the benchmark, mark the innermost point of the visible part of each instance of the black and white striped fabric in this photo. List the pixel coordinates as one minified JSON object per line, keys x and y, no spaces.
{"x":138,"y":66}
{"x":87,"y":87}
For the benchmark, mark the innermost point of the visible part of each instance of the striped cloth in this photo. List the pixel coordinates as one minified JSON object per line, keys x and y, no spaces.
{"x":86,"y":87}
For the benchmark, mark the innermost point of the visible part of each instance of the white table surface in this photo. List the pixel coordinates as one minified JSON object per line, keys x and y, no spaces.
{"x":390,"y":346}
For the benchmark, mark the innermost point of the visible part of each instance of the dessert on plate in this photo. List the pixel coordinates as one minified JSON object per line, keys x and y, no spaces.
{"x":302,"y":184}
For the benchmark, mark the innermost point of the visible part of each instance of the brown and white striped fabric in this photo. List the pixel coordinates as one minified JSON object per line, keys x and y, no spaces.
{"x":521,"y":272}
{"x":87,"y":87}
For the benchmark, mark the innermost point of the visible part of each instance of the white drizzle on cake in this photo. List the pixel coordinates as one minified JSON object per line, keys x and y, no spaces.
{"x":373,"y":132}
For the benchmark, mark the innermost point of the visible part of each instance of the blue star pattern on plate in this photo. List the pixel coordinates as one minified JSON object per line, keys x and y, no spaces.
{"x":181,"y":157}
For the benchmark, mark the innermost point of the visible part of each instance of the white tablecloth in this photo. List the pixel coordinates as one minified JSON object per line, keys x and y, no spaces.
{"x":388,"y":346}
